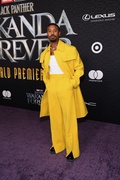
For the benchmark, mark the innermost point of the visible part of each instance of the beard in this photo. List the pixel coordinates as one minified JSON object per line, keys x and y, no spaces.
{"x":53,"y":38}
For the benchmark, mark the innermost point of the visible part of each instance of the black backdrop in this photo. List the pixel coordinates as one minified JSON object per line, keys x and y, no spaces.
{"x":92,"y":26}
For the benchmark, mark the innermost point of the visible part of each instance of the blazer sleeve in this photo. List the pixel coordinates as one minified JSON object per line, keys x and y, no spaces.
{"x":42,"y":62}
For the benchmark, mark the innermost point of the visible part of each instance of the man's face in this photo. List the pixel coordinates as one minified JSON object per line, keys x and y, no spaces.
{"x":53,"y":33}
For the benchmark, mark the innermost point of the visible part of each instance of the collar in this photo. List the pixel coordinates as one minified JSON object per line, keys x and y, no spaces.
{"x":60,"y":46}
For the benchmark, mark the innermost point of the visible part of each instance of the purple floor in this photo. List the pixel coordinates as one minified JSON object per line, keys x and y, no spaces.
{"x":25,"y":142}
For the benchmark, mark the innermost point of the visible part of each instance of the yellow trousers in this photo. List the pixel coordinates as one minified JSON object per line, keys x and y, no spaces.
{"x":63,"y":121}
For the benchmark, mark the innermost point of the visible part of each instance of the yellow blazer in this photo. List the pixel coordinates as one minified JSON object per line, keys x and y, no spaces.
{"x":71,"y":64}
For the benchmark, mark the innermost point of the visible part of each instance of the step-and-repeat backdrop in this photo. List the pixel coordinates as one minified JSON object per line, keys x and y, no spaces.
{"x":92,"y":26}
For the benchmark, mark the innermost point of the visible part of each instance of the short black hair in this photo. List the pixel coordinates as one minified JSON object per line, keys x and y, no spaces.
{"x":54,"y":25}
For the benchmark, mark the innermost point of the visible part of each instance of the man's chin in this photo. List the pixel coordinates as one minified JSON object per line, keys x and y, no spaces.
{"x":52,"y":40}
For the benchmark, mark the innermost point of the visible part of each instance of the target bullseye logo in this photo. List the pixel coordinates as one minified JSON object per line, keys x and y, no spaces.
{"x":96,"y":47}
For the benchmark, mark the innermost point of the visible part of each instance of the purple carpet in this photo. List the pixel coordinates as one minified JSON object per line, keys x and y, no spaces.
{"x":25,"y":142}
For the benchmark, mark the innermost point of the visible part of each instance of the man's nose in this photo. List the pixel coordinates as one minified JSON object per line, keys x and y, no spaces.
{"x":52,"y":32}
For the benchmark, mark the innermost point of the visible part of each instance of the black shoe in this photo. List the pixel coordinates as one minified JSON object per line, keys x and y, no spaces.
{"x":70,"y":157}
{"x":52,"y":150}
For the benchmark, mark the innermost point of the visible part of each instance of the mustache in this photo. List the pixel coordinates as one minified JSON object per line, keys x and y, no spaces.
{"x":52,"y":35}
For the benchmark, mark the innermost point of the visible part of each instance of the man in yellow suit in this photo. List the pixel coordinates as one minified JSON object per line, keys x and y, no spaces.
{"x":62,"y":99}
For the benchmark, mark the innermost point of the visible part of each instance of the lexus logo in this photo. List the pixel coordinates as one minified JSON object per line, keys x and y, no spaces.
{"x":96,"y":47}
{"x":86,"y":17}
{"x":6,"y":94}
{"x":95,"y":74}
{"x":97,"y":17}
